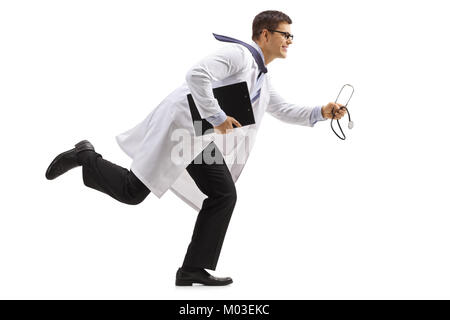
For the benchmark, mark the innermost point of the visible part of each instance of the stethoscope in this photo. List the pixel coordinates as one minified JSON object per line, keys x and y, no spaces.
{"x":350,"y":122}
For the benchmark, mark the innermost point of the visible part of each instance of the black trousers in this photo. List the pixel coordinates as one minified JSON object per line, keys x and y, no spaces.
{"x":213,"y":179}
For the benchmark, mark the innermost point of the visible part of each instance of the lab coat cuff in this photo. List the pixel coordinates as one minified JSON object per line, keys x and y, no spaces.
{"x":217,"y":119}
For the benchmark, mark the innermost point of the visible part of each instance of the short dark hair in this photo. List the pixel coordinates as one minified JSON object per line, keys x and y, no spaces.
{"x":269,"y":19}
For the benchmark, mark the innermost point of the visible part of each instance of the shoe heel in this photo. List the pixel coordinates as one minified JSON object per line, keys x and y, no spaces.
{"x":82,"y":143}
{"x":183,"y":283}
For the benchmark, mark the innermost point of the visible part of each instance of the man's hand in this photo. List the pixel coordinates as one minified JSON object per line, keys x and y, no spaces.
{"x":227,"y":126}
{"x":333,"y":108}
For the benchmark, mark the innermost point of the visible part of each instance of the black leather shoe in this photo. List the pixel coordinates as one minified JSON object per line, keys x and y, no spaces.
{"x":67,"y":160}
{"x":201,"y":276}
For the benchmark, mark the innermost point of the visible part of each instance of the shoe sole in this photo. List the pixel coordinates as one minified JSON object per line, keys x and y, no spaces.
{"x":185,"y":283}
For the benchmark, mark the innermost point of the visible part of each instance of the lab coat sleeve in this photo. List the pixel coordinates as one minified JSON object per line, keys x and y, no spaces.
{"x":287,"y":112}
{"x":227,"y":61}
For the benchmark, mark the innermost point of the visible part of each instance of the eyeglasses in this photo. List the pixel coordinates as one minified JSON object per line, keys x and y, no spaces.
{"x":286,"y":35}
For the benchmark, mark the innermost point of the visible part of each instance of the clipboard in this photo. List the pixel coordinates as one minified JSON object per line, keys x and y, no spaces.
{"x":234,"y":99}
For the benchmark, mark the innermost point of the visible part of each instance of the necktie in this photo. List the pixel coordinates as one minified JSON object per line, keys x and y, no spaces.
{"x":254,"y":52}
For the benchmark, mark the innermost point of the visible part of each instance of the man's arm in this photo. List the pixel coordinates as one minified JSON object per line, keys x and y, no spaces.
{"x":227,"y":61}
{"x":306,"y":116}
{"x":288,"y":112}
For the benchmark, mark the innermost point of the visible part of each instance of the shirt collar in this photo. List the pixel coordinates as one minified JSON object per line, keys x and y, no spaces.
{"x":256,"y":46}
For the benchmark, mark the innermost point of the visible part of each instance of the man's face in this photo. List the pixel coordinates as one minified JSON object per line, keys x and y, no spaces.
{"x":277,"y":43}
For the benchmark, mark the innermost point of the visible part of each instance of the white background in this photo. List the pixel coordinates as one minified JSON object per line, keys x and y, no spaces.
{"x":316,"y":217}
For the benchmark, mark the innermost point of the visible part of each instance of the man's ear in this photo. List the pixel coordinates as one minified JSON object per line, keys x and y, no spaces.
{"x":265,"y":35}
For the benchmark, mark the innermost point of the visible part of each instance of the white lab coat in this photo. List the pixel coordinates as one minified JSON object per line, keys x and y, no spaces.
{"x":151,"y":143}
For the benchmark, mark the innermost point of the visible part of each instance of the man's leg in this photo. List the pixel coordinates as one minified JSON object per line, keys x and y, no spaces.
{"x":215,"y":181}
{"x":109,"y":178}
{"x":99,"y":174}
